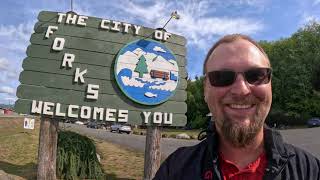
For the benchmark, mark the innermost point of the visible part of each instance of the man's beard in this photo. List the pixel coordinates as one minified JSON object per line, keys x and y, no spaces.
{"x":239,"y":135}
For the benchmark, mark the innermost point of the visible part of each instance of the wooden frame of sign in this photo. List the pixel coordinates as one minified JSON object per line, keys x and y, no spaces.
{"x":77,"y":65}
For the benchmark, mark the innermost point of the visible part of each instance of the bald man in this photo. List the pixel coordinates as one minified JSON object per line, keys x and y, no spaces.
{"x":237,"y":90}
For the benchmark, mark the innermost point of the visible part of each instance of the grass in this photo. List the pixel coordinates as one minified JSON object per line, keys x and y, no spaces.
{"x":120,"y":163}
{"x":19,"y":149}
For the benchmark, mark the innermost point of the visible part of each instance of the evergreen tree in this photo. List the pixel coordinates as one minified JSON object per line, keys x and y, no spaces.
{"x":141,"y":67}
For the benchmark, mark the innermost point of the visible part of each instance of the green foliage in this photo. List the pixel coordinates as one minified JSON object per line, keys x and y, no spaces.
{"x":197,"y":108}
{"x":295,"y":83}
{"x":141,"y":67}
{"x":295,"y":80}
{"x":76,"y":157}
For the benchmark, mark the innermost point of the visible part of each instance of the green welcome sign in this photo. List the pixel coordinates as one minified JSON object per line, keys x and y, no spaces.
{"x":99,"y":69}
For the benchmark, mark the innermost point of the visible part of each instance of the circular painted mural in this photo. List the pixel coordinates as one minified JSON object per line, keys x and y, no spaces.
{"x":146,"y":72}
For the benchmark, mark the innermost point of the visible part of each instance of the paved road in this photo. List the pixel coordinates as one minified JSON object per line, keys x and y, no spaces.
{"x":137,"y":142}
{"x":307,"y":139}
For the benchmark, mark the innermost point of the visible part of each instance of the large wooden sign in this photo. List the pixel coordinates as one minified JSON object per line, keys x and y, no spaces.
{"x":99,"y":69}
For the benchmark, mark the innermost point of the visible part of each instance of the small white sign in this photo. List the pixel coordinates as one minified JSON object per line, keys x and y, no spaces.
{"x":28,"y":123}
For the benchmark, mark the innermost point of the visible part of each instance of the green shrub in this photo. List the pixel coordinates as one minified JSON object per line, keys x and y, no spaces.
{"x":76,"y":157}
{"x":164,"y":135}
{"x":172,"y":136}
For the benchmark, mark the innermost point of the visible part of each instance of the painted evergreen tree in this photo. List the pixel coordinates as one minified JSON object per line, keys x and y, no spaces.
{"x":141,"y":67}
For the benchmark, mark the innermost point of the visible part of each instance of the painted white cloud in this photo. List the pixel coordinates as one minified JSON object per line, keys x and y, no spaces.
{"x":168,"y":86}
{"x":159,"y":49}
{"x":131,"y":82}
{"x":7,"y":90}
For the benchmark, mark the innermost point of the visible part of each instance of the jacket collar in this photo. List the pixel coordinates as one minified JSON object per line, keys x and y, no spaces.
{"x":277,"y":152}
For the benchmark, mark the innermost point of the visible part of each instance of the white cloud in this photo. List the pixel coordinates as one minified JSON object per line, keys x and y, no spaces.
{"x":16,"y":37}
{"x":13,"y":75}
{"x":158,"y":49}
{"x":7,"y":90}
{"x":316,"y":2}
{"x":11,"y":99}
{"x":8,"y":70}
{"x":306,"y":18}
{"x":3,"y":64}
{"x":197,"y":23}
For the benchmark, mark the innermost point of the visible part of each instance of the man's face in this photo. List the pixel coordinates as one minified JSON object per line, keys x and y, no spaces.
{"x":239,"y":110}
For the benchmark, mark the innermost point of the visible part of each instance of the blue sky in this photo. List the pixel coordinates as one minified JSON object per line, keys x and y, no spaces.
{"x":202,"y":23}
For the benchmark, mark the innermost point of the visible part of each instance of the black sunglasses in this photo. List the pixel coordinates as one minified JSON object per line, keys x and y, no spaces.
{"x":254,"y":76}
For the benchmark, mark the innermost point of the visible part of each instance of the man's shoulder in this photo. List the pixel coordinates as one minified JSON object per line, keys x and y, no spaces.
{"x":184,"y":163}
{"x":303,"y":163}
{"x":292,"y":151}
{"x":302,"y":155}
{"x":186,"y":152}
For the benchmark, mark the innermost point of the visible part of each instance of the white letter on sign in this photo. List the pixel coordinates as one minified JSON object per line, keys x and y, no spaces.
{"x":61,"y":15}
{"x":157,"y":117}
{"x":158,"y":35}
{"x":81,"y":20}
{"x":58,"y":110}
{"x":36,"y":108}
{"x":116,"y":26}
{"x":123,"y":115}
{"x":67,"y":60}
{"x":71,"y":19}
{"x":146,"y":117}
{"x":47,"y":106}
{"x":85,"y":112}
{"x":92,"y":91}
{"x":97,"y":111}
{"x":126,"y":27}
{"x":137,"y":28}
{"x":50,"y":31}
{"x":166,"y":120}
{"x":58,"y":44}
{"x":104,"y":23}
{"x":70,"y":111}
{"x":109,"y":114}
{"x":166,"y":36}
{"x":79,"y":75}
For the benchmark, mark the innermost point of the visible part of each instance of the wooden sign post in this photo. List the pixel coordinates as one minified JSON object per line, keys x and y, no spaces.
{"x":47,"y":151}
{"x":152,"y":156}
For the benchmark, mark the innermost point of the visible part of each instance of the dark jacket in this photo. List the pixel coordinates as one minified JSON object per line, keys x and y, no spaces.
{"x":201,"y":161}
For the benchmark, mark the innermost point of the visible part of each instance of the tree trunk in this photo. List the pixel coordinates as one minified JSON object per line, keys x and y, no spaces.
{"x":152,"y":154}
{"x":47,"y":151}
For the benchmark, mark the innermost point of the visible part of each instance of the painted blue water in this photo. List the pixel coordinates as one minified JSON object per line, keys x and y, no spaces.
{"x":137,"y":93}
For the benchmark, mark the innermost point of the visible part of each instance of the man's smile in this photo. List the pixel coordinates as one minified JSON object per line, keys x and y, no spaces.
{"x":240,"y":110}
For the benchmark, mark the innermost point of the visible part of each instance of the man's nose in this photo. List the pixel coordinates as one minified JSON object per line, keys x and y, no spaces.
{"x":240,"y":86}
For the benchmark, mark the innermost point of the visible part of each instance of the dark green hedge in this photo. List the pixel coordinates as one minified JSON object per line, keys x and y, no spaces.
{"x":76,"y":157}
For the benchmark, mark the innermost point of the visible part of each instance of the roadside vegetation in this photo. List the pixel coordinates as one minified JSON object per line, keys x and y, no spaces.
{"x":19,"y":148}
{"x":171,"y":133}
